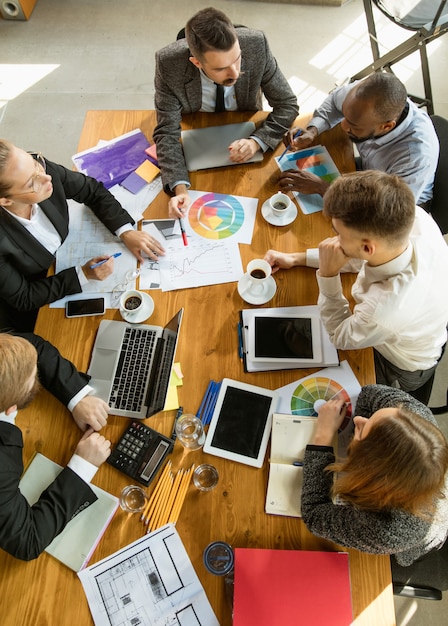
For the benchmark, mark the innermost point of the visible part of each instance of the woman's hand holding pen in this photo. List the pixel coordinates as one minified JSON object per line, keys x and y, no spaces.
{"x":297,"y":139}
{"x":329,"y":419}
{"x":99,"y":271}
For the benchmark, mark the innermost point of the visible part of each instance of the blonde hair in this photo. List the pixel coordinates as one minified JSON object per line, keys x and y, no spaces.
{"x":400,"y":464}
{"x":18,"y":358}
{"x":5,"y":153}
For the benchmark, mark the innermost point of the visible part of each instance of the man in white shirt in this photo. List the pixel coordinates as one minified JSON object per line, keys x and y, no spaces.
{"x":401,"y":303}
{"x":26,"y":531}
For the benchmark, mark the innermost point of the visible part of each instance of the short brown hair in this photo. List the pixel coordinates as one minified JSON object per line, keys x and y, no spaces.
{"x":18,"y":358}
{"x":386,"y":92}
{"x":400,"y":464}
{"x":209,"y":29}
{"x":372,"y":203}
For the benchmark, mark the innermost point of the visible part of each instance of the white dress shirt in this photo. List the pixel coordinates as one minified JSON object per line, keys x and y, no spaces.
{"x":401,"y":306}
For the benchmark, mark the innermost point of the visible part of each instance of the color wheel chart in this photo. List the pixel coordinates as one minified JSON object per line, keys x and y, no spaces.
{"x":216,"y":216}
{"x":313,"y":392}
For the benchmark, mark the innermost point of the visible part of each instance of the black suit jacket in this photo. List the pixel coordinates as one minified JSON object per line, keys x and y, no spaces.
{"x":26,"y":531}
{"x":24,"y":262}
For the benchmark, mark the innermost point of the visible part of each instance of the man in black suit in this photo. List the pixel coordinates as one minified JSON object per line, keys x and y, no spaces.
{"x":25,"y":531}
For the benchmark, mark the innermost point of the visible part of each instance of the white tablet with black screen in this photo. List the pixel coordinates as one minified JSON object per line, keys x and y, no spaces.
{"x":285,"y":339}
{"x":241,"y":423}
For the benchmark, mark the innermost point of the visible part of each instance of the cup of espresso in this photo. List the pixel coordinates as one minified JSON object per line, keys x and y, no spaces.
{"x":279,"y":204}
{"x":132,"y":303}
{"x":258,"y":271}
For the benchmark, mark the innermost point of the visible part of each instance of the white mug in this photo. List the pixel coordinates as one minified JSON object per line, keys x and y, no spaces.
{"x":132,"y":303}
{"x":279,"y":203}
{"x":258,"y":272}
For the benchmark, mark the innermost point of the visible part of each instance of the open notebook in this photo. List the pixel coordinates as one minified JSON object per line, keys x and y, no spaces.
{"x":75,"y":544}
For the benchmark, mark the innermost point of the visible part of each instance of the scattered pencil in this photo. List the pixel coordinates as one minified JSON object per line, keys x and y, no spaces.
{"x":165,"y":502}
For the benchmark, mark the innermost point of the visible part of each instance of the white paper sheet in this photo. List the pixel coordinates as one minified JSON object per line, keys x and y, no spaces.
{"x":151,"y":582}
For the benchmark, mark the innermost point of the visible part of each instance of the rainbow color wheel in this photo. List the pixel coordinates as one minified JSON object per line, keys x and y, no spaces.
{"x":312,"y":393}
{"x":216,"y":216}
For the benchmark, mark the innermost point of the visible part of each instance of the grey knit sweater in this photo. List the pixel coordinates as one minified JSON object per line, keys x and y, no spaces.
{"x":396,"y":532}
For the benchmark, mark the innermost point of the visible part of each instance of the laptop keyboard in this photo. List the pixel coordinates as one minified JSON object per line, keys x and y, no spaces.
{"x":128,"y":388}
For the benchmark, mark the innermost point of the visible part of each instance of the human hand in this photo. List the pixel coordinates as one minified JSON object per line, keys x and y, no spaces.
{"x":179,"y":203}
{"x":139,"y":242}
{"x":303,"y":140}
{"x":329,"y":418}
{"x":91,"y":411}
{"x":242,"y":150}
{"x":331,"y":257}
{"x":284,"y":260}
{"x":305,"y":182}
{"x":102,"y":271}
{"x":93,"y":447}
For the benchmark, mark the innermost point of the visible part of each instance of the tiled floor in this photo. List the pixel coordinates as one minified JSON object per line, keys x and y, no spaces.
{"x":76,"y":55}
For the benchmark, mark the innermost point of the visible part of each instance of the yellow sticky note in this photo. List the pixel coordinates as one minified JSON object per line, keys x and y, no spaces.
{"x":148,"y":171}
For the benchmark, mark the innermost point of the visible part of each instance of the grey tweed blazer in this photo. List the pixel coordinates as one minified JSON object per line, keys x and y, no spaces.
{"x":178,"y":91}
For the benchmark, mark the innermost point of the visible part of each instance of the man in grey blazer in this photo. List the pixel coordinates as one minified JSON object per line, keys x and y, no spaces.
{"x":189,"y":75}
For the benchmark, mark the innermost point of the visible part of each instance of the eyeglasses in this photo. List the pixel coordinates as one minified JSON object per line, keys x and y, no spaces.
{"x":36,"y":181}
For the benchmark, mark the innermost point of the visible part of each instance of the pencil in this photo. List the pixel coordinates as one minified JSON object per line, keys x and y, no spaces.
{"x":161,"y":503}
{"x":174,"y":515}
{"x":171,"y":499}
{"x":157,"y":489}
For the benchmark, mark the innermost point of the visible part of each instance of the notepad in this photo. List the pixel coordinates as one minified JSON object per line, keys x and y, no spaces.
{"x":290,"y":436}
{"x":75,"y":544}
{"x":291,"y":587}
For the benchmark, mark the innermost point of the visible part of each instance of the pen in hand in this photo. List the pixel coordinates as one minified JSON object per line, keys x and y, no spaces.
{"x":288,"y":147}
{"x":182,"y":230}
{"x":113,"y":256}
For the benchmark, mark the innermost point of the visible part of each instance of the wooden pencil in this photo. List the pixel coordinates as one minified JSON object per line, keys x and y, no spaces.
{"x":150,"y":504}
{"x":174,"y":515}
{"x":171,"y":499}
{"x":155,"y":494}
{"x":160,"y":504}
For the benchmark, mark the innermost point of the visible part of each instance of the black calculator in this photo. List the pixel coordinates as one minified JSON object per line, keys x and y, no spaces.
{"x":140,"y":452}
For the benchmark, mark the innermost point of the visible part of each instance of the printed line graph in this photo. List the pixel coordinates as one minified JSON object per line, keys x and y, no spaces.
{"x":199,"y":264}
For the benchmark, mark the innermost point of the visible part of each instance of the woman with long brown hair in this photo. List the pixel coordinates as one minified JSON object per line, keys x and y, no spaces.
{"x":388,"y":496}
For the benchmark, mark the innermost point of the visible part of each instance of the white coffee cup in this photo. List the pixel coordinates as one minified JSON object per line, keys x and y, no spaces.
{"x":133,"y":302}
{"x":258,"y":272}
{"x":279,"y":204}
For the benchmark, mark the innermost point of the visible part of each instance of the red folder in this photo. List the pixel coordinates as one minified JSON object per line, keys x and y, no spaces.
{"x":291,"y":588}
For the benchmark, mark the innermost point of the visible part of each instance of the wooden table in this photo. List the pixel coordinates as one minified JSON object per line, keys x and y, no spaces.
{"x":44,"y":592}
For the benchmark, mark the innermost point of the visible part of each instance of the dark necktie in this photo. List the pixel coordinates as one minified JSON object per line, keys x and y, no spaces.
{"x":219,"y":106}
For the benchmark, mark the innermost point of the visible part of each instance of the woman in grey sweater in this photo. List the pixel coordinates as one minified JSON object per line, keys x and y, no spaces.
{"x":389,"y":495}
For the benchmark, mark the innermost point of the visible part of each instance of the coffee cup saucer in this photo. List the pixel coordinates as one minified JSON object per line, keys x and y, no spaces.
{"x":142,"y":315}
{"x":268,"y":292}
{"x":276,"y":220}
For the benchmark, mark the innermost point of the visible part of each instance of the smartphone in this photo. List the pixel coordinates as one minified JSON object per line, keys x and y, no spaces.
{"x":79,"y":308}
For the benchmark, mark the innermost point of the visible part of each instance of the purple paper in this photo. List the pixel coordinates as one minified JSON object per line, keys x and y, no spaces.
{"x":112,"y":163}
{"x":133,"y":182}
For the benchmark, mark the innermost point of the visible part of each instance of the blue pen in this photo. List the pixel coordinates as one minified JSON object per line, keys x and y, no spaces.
{"x":209,"y":403}
{"x":113,"y":256}
{"x":297,"y":464}
{"x":204,"y":399}
{"x":240,"y":341}
{"x":297,"y":134}
{"x":212,"y":403}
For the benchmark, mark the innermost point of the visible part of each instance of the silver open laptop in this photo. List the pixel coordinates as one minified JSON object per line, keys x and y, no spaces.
{"x":209,"y":147}
{"x":131,"y":365}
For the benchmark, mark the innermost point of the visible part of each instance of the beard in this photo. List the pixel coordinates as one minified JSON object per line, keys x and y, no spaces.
{"x":29,"y":397}
{"x":354,"y":139}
